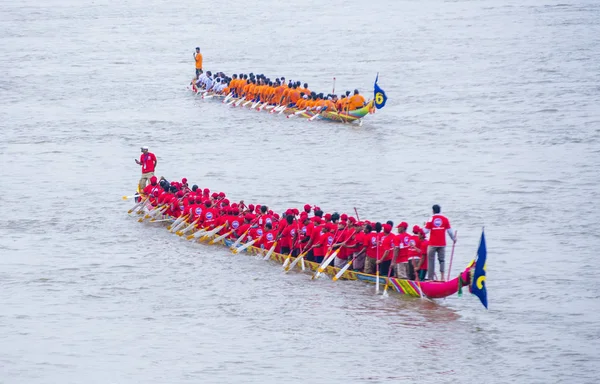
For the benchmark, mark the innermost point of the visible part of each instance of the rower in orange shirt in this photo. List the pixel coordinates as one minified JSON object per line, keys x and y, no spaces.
{"x":357,"y":101}
{"x":278,"y":94}
{"x":285,"y":96}
{"x":330,"y":105}
{"x":294,"y":96}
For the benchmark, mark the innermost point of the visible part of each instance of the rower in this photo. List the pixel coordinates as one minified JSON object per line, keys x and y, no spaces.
{"x":357,"y":101}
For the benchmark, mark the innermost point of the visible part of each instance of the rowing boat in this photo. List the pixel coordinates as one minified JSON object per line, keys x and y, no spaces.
{"x":429,"y":289}
{"x":354,"y":116}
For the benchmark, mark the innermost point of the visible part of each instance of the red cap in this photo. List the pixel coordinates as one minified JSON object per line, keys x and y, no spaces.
{"x":276,"y":216}
{"x":289,"y":212}
{"x":352,"y":220}
{"x":403,"y":224}
{"x":251,"y":207}
{"x":387,"y":228}
{"x":221,"y":194}
{"x":295,"y":211}
{"x":214,"y":194}
{"x":180,"y":194}
{"x":206,"y":191}
{"x":316,"y":219}
{"x":416,"y":229}
{"x":306,"y":207}
{"x":344,"y":217}
{"x":184,"y":180}
{"x":328,"y":216}
{"x":225,"y":202}
{"x":153,"y":179}
{"x":332,"y":227}
{"x":234,"y":205}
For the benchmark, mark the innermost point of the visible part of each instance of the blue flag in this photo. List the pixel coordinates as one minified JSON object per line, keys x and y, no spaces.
{"x":478,"y":284}
{"x":379,"y":97}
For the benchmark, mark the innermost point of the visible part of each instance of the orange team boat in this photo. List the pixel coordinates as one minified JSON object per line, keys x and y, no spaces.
{"x":422,"y":289}
{"x":354,"y":116}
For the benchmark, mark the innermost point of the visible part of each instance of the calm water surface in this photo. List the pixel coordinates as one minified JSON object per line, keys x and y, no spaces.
{"x":492,"y":113}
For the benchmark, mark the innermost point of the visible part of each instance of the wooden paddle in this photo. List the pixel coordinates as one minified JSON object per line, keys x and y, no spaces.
{"x":324,"y":265}
{"x":140,"y":203}
{"x":186,"y":229}
{"x":245,"y":246}
{"x":217,"y":239}
{"x":176,"y":222}
{"x":298,"y":258}
{"x":271,"y":250}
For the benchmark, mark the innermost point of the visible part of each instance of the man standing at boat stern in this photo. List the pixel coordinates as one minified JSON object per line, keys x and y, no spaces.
{"x":148,"y":162}
{"x":198,"y":60}
{"x":437,"y":226}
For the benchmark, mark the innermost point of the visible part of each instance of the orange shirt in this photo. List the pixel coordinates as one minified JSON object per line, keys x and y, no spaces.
{"x":246,"y":89}
{"x":198,"y":58}
{"x":330,"y":106}
{"x":271,"y":94}
{"x":286,"y":94}
{"x":251,"y":92}
{"x":278,"y":93}
{"x":242,"y":87}
{"x":294,"y":95}
{"x":356,"y":102}
{"x":226,"y":90}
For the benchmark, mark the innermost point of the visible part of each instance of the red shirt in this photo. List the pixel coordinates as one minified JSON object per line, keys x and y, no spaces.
{"x":268,"y":239}
{"x":373,"y":250}
{"x":325,"y":240}
{"x":209,"y":217}
{"x":413,"y":248}
{"x":316,"y":235}
{"x":255,"y":233}
{"x":359,"y":241}
{"x":286,"y":236}
{"x":404,"y":239}
{"x":197,"y":210}
{"x":148,"y":160}
{"x":387,"y":244}
{"x":437,"y":227}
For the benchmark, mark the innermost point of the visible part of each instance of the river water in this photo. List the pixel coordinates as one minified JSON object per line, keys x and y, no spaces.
{"x":492,"y":113}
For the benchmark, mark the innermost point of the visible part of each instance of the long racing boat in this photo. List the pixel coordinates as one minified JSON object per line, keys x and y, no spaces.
{"x":421,"y":289}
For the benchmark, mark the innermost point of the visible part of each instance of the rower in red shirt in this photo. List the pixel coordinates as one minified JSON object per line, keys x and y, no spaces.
{"x":209,"y":216}
{"x":401,"y":243}
{"x":284,"y":238}
{"x":268,"y":238}
{"x":387,"y":247}
{"x":322,"y":245}
{"x":438,"y":225}
{"x":414,"y":253}
{"x":372,"y":243}
{"x":422,"y":267}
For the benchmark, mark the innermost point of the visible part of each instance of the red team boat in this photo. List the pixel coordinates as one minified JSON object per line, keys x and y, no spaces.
{"x":421,"y":289}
